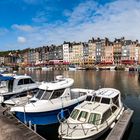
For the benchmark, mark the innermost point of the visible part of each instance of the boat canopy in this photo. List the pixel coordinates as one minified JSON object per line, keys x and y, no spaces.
{"x":5,"y":78}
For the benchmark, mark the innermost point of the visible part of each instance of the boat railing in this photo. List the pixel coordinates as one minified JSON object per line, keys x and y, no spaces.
{"x":62,"y":115}
{"x":65,"y":97}
{"x":22,"y":97}
{"x":71,"y":127}
{"x":75,"y":95}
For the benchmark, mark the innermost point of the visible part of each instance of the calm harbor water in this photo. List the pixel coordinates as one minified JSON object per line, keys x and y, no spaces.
{"x":126,"y":82}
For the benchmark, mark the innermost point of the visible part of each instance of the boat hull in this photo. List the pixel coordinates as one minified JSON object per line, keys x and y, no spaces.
{"x":43,"y":118}
{"x":93,"y":137}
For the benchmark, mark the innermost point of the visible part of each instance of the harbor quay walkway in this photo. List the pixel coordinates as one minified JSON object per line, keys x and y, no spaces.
{"x":121,"y":126}
{"x":12,"y":129}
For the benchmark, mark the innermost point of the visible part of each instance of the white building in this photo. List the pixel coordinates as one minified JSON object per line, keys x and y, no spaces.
{"x":66,"y":52}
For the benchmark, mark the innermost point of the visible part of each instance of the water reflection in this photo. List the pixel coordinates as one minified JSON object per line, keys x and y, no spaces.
{"x":126,"y":82}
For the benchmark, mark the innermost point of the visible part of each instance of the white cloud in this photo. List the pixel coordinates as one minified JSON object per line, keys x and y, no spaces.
{"x":115,"y":19}
{"x":83,"y":12}
{"x":89,"y":19}
{"x":21,"y":40}
{"x":26,"y":28}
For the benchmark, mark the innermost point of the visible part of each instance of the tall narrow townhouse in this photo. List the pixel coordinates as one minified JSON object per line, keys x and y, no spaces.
{"x":92,"y":51}
{"x":1,"y":60}
{"x":38,"y":60}
{"x":25,"y":57}
{"x":66,"y":52}
{"x":125,"y":58}
{"x":117,"y":50}
{"x":85,"y":57}
{"x":138,"y":48}
{"x":32,"y":57}
{"x":133,"y":58}
{"x":100,"y":50}
{"x":76,"y":53}
{"x":109,"y":59}
{"x":43,"y":53}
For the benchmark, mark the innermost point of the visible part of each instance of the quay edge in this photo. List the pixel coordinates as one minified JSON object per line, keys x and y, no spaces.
{"x":11,"y":128}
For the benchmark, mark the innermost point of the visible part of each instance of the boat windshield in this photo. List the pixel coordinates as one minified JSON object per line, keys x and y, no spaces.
{"x":96,"y":99}
{"x":106,"y":115}
{"x":43,"y":94}
{"x":57,"y":93}
{"x":74,"y":114}
{"x":83,"y":116}
{"x":105,"y":100}
{"x":88,"y":98}
{"x":94,"y":118}
{"x":46,"y":95}
{"x":40,"y":93}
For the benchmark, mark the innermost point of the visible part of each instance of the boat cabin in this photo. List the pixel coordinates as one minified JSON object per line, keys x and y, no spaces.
{"x":16,"y":86}
{"x":98,"y":107}
{"x":59,"y":88}
{"x":96,"y":115}
{"x":16,"y":83}
{"x":51,"y":90}
{"x":106,"y":96}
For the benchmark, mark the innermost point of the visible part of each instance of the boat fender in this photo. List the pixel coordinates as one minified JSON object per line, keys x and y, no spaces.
{"x":62,"y":115}
{"x":112,"y":125}
{"x":117,"y":118}
{"x":1,"y":99}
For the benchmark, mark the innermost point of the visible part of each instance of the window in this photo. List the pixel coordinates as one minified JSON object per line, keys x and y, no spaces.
{"x":105,"y":100}
{"x":57,"y":93}
{"x":88,"y":98}
{"x":106,"y":115}
{"x":83,"y":116}
{"x":46,"y":95}
{"x":21,"y":82}
{"x":94,"y":118}
{"x":40,"y":93}
{"x":96,"y":99}
{"x":31,"y":81}
{"x":74,"y":114}
{"x":26,"y":81}
{"x":115,"y":100}
{"x":114,"y":108}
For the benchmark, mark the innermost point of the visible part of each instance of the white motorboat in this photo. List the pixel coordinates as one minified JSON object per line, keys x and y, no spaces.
{"x":93,"y":117}
{"x":15,"y":86}
{"x":72,"y":68}
{"x":46,"y":68}
{"x":52,"y":98}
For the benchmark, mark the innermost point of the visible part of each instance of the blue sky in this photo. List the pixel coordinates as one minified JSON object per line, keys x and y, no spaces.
{"x":34,"y":23}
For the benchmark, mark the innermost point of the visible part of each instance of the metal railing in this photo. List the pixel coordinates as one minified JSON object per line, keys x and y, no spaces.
{"x":71,"y":127}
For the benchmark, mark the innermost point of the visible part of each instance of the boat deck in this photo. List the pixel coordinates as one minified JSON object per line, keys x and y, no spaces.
{"x":11,"y":128}
{"x":121,"y":126}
